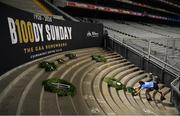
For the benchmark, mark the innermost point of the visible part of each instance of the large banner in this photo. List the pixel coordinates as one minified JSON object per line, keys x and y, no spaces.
{"x":26,"y":36}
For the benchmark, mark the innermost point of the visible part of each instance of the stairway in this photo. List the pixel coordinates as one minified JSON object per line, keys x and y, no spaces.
{"x":21,"y":91}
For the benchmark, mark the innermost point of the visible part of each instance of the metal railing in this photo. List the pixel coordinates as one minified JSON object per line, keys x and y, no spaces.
{"x":176,"y":86}
{"x":146,"y":51}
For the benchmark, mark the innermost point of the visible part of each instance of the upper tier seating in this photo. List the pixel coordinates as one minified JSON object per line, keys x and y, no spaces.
{"x":137,"y":35}
{"x":33,"y":6}
{"x":27,"y":5}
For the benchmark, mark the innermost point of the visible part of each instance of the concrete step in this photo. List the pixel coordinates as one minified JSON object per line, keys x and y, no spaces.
{"x":153,"y":103}
{"x":19,"y":87}
{"x":9,"y":102}
{"x":23,"y":94}
{"x":149,"y":106}
{"x":87,"y":90}
{"x":131,"y":83}
{"x":113,"y":92}
{"x":105,"y":90}
{"x":30,"y":99}
{"x":61,"y":73}
{"x":128,"y":96}
{"x":16,"y":87}
{"x":78,"y":99}
{"x":97,"y":88}
{"x":12,"y":74}
{"x":161,"y":105}
{"x":170,"y":109}
{"x":141,"y":99}
{"x":157,"y":96}
{"x":130,"y":72}
{"x":53,"y":110}
{"x":68,"y":75}
{"x":78,"y":74}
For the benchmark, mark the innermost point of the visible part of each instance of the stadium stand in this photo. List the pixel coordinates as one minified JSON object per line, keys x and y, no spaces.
{"x":160,"y":39}
{"x":28,"y":5}
{"x":22,"y":93}
{"x":39,"y":7}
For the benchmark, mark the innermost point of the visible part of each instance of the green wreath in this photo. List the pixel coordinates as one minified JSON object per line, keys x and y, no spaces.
{"x":112,"y":82}
{"x":99,"y":58}
{"x":59,"y":86}
{"x":71,"y":55}
{"x":48,"y":66}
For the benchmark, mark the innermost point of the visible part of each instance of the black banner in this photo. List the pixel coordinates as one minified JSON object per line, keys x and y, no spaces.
{"x":26,"y":36}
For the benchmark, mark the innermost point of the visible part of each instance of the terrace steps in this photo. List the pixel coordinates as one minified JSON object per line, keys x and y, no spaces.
{"x":21,"y":91}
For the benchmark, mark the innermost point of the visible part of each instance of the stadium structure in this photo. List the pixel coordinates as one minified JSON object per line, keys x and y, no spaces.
{"x":84,"y":43}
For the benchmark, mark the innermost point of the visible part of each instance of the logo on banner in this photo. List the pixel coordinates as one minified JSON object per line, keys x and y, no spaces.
{"x":92,"y":34}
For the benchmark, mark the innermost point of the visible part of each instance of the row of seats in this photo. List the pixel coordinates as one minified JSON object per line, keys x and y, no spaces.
{"x":32,"y":6}
{"x":22,"y":93}
{"x":27,"y":5}
{"x":134,"y":30}
{"x":137,"y":35}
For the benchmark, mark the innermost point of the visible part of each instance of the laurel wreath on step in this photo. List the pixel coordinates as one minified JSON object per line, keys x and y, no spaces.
{"x":99,"y":58}
{"x":112,"y":82}
{"x":48,"y":66}
{"x":71,"y":55}
{"x":59,"y":86}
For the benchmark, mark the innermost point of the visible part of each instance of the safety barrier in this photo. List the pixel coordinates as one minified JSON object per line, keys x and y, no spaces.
{"x":148,"y":62}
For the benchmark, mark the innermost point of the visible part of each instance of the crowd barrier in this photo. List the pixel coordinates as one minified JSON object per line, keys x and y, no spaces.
{"x":167,"y":74}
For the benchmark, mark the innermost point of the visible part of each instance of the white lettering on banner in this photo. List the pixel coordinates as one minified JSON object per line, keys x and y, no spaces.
{"x":52,"y":32}
{"x":61,"y":33}
{"x":66,"y":36}
{"x":48,"y":33}
{"x":30,"y":32}
{"x":69,"y":31}
{"x":58,"y":32}
{"x":40,"y":27}
{"x":36,"y":33}
{"x":12,"y":30}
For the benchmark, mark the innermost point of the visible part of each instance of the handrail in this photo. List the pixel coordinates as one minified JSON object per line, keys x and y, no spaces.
{"x":165,"y":65}
{"x":144,"y":54}
{"x":142,"y":38}
{"x":127,"y":46}
{"x":150,"y":56}
{"x":174,"y":87}
{"x":169,"y":3}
